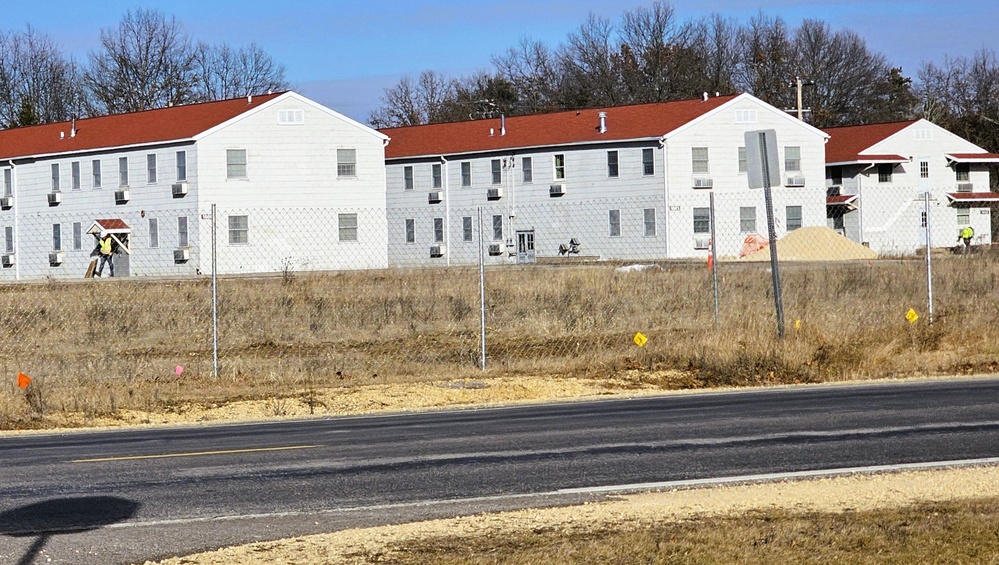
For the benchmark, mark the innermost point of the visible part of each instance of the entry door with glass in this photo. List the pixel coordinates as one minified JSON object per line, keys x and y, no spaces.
{"x":525,"y":246}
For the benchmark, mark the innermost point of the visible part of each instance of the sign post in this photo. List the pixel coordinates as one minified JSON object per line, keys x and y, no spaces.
{"x":763,"y":168}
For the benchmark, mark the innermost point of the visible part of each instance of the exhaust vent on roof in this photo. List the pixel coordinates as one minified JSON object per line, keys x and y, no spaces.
{"x":603,"y":122}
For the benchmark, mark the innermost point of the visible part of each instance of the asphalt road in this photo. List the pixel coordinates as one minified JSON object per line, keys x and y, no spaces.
{"x":126,"y":496}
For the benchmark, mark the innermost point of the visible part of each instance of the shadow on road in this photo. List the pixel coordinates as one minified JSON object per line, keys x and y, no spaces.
{"x":63,"y":515}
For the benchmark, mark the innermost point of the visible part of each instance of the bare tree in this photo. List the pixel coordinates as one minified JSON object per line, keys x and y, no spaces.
{"x":534,"y":72}
{"x":766,"y":63}
{"x":411,"y":103}
{"x":660,"y":58}
{"x":146,"y":62}
{"x":37,"y":83}
{"x":222,"y":72}
{"x":962,"y":94}
{"x":590,"y":76}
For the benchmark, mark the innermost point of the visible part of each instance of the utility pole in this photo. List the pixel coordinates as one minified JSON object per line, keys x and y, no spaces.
{"x":799,"y":83}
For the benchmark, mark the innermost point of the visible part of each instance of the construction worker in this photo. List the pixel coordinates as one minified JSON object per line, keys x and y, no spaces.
{"x":966,"y":234}
{"x":105,"y":252}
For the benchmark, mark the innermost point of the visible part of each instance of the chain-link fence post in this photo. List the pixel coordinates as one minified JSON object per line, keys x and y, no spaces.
{"x":929,"y":263}
{"x":215,"y":302}
{"x":714,"y":254}
{"x":482,"y":296}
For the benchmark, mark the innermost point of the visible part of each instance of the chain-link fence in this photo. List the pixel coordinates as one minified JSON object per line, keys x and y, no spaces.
{"x":242,"y":302}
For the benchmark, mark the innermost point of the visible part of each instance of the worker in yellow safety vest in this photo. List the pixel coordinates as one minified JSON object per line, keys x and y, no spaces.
{"x":966,"y":234}
{"x":105,"y":252}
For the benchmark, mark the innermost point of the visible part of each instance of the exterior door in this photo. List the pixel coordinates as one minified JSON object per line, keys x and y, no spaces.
{"x":525,"y":246}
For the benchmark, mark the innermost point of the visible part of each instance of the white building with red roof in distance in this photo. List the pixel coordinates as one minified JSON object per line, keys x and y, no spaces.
{"x":877,"y":176}
{"x":294,"y":183}
{"x":616,"y":183}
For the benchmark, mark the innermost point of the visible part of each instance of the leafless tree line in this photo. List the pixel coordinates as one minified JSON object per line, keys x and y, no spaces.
{"x":651,"y":55}
{"x":147,"y":61}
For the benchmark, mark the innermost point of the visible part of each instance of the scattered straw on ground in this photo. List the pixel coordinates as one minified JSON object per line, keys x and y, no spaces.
{"x":814,"y":243}
{"x":838,"y":494}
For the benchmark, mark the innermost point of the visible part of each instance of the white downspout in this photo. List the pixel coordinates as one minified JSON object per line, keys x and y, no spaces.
{"x":447,"y":211}
{"x":666,"y":214}
{"x":17,"y":217}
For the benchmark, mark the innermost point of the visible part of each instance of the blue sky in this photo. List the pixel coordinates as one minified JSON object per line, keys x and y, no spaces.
{"x":343,"y":54}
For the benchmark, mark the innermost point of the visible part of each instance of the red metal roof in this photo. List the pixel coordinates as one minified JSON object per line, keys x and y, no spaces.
{"x":840,"y":200}
{"x":973,"y":157}
{"x":974,"y":196}
{"x":136,"y":128}
{"x":639,"y":121}
{"x":847,"y":143}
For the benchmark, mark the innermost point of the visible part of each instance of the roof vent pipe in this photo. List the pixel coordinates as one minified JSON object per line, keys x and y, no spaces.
{"x":603,"y":122}
{"x":62,"y":135}
{"x":705,"y":96}
{"x":249,"y":99}
{"x":72,"y":130}
{"x":502,"y":124}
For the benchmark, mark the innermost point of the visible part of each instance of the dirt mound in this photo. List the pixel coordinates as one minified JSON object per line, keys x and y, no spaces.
{"x":814,"y":243}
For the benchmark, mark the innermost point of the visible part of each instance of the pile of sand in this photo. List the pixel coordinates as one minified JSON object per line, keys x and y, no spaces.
{"x":814,"y":244}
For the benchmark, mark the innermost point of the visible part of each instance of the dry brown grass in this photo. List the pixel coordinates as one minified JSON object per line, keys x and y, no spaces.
{"x":95,"y":347}
{"x":941,"y":532}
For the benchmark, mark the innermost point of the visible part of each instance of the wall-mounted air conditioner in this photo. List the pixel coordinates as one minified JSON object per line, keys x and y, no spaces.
{"x":121,"y":196}
{"x":703,"y":182}
{"x":436,"y":250}
{"x":796,"y":180}
{"x":7,"y":259}
{"x":181,"y":255}
{"x":556,"y":190}
{"x":702,"y":242}
{"x":435,"y":197}
{"x":179,"y":189}
{"x":7,"y":202}
{"x":495,"y":249}
{"x":965,"y":187}
{"x":494,"y":194}
{"x":55,"y":198}
{"x":55,"y":258}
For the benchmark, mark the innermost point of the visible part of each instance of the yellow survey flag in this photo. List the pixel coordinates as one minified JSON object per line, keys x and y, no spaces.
{"x":640,"y":339}
{"x":911,"y":316}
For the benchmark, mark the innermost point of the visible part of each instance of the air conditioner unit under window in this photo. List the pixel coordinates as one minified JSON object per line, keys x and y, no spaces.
{"x":965,"y":187}
{"x":181,"y":255}
{"x":7,"y":202}
{"x":702,"y":242}
{"x":55,"y":258}
{"x":494,"y":193}
{"x":179,"y":189}
{"x":495,"y":249}
{"x":796,"y":180}
{"x":55,"y":198}
{"x":7,"y":259}
{"x":121,"y":196}
{"x":556,"y":190}
{"x":436,"y":250}
{"x":703,"y":182}
{"x":435,"y":197}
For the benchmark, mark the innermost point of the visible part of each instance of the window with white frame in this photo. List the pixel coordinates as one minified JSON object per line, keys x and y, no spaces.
{"x":924,"y":169}
{"x":963,"y":172}
{"x":346,"y":163}
{"x":614,"y":223}
{"x":702,"y":220}
{"x":8,"y":236}
{"x":964,"y":216}
{"x":182,"y":240}
{"x":235,"y":163}
{"x":8,"y":182}
{"x":559,"y":166}
{"x":497,"y":171}
{"x":497,"y":227}
{"x":154,"y":233}
{"x":55,"y":177}
{"x":747,"y":219}
{"x":884,"y":172}
{"x":56,"y":237}
{"x":746,"y":117}
{"x":181,"y":166}
{"x":466,"y":173}
{"x":291,"y":117}
{"x":793,"y":217}
{"x":438,"y":230}
{"x":95,"y":172}
{"x":792,"y":159}
{"x":612,"y":169}
{"x":743,"y":163}
{"x":74,"y":169}
{"x":151,"y":168}
{"x":239,"y":230}
{"x":436,"y":178}
{"x":649,"y":216}
{"x":347,"y":225}
{"x":527,"y":170}
{"x":77,"y":236}
{"x":699,"y":160}
{"x":466,"y":228}
{"x":410,"y":230}
{"x":122,"y":171}
{"x":407,"y":177}
{"x":648,"y":162}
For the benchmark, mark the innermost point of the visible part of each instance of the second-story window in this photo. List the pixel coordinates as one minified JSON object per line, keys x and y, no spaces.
{"x":466,"y":173}
{"x":497,"y":170}
{"x":699,"y":160}
{"x":123,"y":171}
{"x":151,"y":168}
{"x":527,"y":170}
{"x":436,"y":179}
{"x":612,"y":164}
{"x":55,"y":177}
{"x":407,"y":177}
{"x":559,"y":166}
{"x":792,"y":159}
{"x":181,"y":166}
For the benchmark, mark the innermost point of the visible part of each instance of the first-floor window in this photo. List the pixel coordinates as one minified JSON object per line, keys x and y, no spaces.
{"x":884,"y":172}
{"x":8,"y":236}
{"x":964,"y":216}
{"x":239,"y":230}
{"x":497,"y":228}
{"x":77,"y":236}
{"x":56,"y":237}
{"x":410,"y":230}
{"x":182,"y":231}
{"x":154,"y":233}
{"x":702,"y":220}
{"x":348,"y":227}
{"x":438,"y":230}
{"x":743,"y":162}
{"x":747,"y":219}
{"x":614,"y":219}
{"x":793,"y":217}
{"x":649,"y":215}
{"x":466,"y":228}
